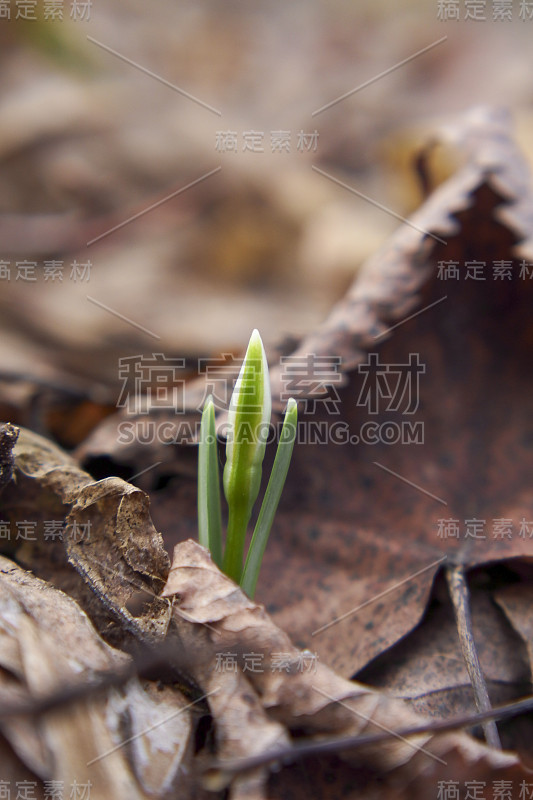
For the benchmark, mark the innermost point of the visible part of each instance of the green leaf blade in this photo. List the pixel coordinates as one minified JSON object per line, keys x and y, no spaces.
{"x":248,"y":427}
{"x":271,"y":499}
{"x":209,"y":509}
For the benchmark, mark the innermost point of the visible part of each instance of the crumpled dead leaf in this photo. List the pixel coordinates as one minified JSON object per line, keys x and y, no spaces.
{"x":313,"y":701}
{"x":48,"y":643}
{"x":427,"y":666}
{"x":103,"y":528}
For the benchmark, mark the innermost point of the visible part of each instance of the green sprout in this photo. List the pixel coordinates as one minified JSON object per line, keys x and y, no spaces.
{"x":247,"y":434}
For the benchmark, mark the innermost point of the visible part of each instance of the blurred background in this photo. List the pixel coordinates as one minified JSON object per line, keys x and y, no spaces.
{"x":157,"y":183}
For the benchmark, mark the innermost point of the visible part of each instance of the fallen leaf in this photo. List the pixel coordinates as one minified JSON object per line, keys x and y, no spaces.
{"x":51,"y":645}
{"x":102,"y":528}
{"x":308,"y":701}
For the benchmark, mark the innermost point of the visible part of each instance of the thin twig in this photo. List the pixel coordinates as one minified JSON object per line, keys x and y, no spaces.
{"x":460,"y":597}
{"x":148,"y":661}
{"x":222,"y":772}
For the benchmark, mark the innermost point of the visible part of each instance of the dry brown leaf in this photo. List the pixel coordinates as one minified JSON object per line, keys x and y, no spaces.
{"x":54,"y":645}
{"x":103,"y":528}
{"x":516,"y":602}
{"x":427,"y":667}
{"x":366,"y":531}
{"x":310,"y":702}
